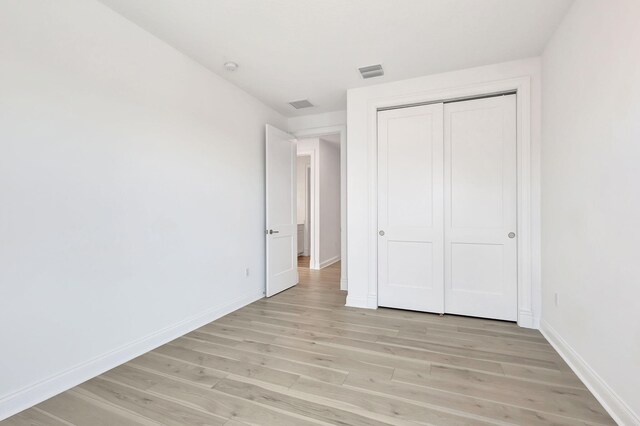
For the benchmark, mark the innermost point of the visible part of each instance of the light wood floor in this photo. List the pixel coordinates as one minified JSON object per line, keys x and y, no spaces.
{"x":302,"y":358}
{"x":303,"y":261}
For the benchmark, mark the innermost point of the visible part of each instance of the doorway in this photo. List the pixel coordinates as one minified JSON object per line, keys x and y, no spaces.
{"x":447,"y":208}
{"x":319,"y":201}
{"x":313,"y":167}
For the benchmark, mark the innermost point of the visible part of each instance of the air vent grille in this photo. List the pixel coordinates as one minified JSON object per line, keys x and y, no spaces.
{"x":301,"y":104}
{"x":371,"y":71}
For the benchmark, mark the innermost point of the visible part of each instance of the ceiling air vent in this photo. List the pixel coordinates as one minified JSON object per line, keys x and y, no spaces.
{"x":301,"y":104}
{"x":371,"y":71}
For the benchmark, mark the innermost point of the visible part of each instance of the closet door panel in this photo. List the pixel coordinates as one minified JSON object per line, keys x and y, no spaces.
{"x":480,"y":208}
{"x":410,"y":208}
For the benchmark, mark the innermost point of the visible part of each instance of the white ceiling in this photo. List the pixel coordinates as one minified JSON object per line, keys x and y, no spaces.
{"x":296,"y":49}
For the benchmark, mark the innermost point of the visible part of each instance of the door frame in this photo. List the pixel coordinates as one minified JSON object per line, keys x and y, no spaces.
{"x":318,"y":132}
{"x":522,"y":87}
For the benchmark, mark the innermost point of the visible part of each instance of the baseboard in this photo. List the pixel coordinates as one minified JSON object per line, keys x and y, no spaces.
{"x":615,"y":406}
{"x":31,"y":395}
{"x":356,"y":302}
{"x":372,"y":301}
{"x":362,"y":302}
{"x":527,"y":320}
{"x":329,"y":262}
{"x":343,"y":284}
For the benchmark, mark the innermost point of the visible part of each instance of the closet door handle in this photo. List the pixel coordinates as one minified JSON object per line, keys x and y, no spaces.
{"x":381,"y":233}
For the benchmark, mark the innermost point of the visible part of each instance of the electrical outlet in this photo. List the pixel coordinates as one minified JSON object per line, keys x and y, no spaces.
{"x":557,"y":299}
{"x":247,"y":272}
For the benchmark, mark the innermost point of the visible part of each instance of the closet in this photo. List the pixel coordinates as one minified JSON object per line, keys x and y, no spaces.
{"x":447,"y":208}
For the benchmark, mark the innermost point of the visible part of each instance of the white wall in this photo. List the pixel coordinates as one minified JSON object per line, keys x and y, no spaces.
{"x":329,"y":202}
{"x":123,"y":166}
{"x":303,"y":203}
{"x":591,"y":198}
{"x":301,"y":183}
{"x":362,"y":165}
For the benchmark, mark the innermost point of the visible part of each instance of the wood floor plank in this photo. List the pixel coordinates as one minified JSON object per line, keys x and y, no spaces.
{"x":302,"y":326}
{"x":532,"y":399}
{"x":207,"y":400}
{"x":160,"y":409}
{"x":196,"y":374}
{"x":370,"y":329}
{"x":80,"y":411}
{"x":376,"y":347}
{"x":472,"y":341}
{"x":561,"y":378}
{"x":232,"y":422}
{"x":294,"y":339}
{"x":328,"y":402}
{"x":505,"y":383}
{"x":489,"y":410}
{"x":385,"y":405}
{"x":34,"y":417}
{"x":480,"y":354}
{"x":302,"y":364}
{"x":302,"y":358}
{"x":296,"y":405}
{"x":227,"y":365}
{"x":340,"y":363}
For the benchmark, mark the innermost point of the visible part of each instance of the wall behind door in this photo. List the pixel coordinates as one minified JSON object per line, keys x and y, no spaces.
{"x":132,"y":188}
{"x":301,"y":184}
{"x":329,"y":202}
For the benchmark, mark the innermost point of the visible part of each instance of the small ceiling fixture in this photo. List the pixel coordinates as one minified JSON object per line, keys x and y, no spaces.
{"x":301,"y":104}
{"x":230,"y":66}
{"x":371,"y":71}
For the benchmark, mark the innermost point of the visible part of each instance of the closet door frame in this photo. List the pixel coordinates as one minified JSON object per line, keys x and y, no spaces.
{"x":521,"y":86}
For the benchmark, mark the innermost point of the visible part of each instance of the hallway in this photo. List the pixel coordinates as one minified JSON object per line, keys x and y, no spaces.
{"x":303,"y":358}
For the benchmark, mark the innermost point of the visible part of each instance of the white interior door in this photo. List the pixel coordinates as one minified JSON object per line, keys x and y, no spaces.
{"x":410,"y":208}
{"x":281,"y":219}
{"x":480,"y":208}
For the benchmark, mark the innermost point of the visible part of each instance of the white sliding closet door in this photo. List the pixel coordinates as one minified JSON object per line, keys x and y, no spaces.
{"x":410,"y":208}
{"x":480,"y":269}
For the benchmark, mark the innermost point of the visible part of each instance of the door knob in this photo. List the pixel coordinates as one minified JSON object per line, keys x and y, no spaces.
{"x":512,"y":234}
{"x":271,"y":231}
{"x":381,"y":233}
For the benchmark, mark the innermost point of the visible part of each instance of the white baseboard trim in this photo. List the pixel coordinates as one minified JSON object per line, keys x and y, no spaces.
{"x":372,"y":301}
{"x":615,"y":406}
{"x":357,"y":302}
{"x":31,"y":395}
{"x":362,"y":302}
{"x":343,"y":284}
{"x":527,"y":320}
{"x":329,"y":262}
{"x":314,"y":263}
